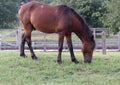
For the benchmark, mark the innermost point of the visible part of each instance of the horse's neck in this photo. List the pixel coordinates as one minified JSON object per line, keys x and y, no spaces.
{"x":84,"y":37}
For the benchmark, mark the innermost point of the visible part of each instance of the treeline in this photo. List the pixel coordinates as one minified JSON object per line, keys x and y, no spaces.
{"x":97,"y":13}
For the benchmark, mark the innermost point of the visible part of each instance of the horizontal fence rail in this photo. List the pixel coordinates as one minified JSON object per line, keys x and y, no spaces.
{"x":50,"y":41}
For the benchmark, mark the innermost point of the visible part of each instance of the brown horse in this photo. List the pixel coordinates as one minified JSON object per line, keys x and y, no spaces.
{"x":60,"y":19}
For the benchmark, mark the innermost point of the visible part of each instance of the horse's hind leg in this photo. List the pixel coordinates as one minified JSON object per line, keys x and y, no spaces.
{"x":27,"y":34}
{"x":28,"y":39}
{"x":22,"y":46}
{"x":69,"y":42}
{"x":61,"y":39}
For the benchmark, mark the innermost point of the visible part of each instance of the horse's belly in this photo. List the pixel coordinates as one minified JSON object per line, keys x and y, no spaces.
{"x":46,"y":24}
{"x":46,"y":30}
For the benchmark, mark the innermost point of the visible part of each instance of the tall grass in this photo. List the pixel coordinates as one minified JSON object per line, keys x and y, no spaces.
{"x":14,"y":70}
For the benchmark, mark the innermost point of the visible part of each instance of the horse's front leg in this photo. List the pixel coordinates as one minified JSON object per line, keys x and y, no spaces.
{"x":61,"y":40}
{"x":69,"y":42}
{"x":28,"y":39}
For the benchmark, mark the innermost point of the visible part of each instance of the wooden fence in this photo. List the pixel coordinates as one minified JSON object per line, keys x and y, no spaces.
{"x":50,"y":41}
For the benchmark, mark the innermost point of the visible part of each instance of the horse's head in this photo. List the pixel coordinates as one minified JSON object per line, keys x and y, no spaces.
{"x":87,"y":49}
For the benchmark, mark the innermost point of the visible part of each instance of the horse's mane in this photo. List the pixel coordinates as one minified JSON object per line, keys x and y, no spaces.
{"x":86,"y":28}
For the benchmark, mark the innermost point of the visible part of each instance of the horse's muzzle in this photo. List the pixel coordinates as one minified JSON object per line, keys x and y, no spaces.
{"x":87,"y":60}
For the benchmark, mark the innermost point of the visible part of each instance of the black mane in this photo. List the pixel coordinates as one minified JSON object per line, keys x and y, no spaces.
{"x":86,"y":28}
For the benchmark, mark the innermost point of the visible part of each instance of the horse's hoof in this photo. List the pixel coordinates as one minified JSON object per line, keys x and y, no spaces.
{"x":59,"y":62}
{"x":75,"y":61}
{"x":35,"y":59}
{"x":23,"y":55}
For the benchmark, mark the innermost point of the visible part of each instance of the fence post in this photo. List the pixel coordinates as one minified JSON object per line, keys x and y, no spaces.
{"x":94,"y":33}
{"x":44,"y":42}
{"x":103,"y":42}
{"x":17,"y":45}
{"x":119,"y":40}
{"x":33,"y":45}
{"x":0,"y":42}
{"x":19,"y":36}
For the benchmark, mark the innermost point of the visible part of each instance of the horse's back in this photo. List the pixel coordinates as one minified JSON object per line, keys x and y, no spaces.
{"x":30,"y":13}
{"x":45,"y":18}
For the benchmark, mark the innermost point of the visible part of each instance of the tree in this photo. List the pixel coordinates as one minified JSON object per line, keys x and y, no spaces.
{"x":112,"y":19}
{"x":92,"y":10}
{"x":8,"y":10}
{"x":46,"y":1}
{"x":97,"y":13}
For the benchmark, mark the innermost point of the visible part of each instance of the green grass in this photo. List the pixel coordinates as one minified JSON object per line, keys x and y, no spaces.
{"x":14,"y":70}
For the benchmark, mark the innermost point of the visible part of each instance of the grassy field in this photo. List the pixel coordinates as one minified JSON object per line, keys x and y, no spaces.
{"x":14,"y":70}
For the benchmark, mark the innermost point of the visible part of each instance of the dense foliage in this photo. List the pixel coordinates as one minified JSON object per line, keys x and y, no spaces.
{"x":8,"y":10}
{"x":112,"y":19}
{"x":91,"y":10}
{"x":97,"y":13}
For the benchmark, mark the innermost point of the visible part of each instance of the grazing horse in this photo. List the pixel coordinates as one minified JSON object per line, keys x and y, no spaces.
{"x":59,"y":19}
